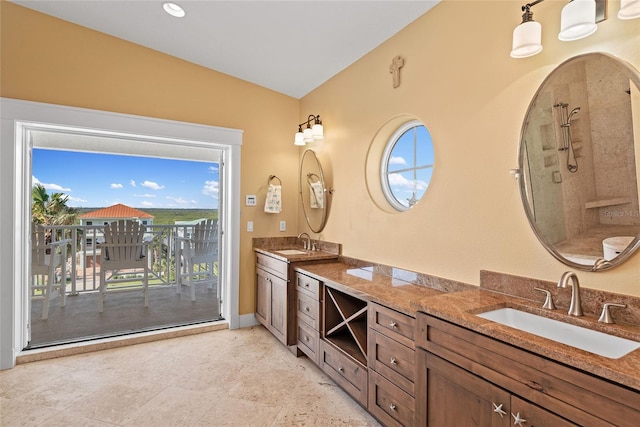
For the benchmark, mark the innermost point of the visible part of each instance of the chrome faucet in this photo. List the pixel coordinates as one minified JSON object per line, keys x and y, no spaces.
{"x":575,"y":308}
{"x":307,"y":243}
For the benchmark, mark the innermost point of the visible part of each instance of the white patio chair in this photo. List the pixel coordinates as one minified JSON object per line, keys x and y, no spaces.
{"x":47,"y":256}
{"x":123,"y":254}
{"x":198,"y":257}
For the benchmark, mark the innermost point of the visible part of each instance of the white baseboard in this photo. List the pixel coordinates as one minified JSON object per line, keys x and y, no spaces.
{"x":247,"y":320}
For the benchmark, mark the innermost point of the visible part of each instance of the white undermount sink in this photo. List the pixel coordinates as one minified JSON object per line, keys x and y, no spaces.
{"x":589,"y":340}
{"x":291,"y":252}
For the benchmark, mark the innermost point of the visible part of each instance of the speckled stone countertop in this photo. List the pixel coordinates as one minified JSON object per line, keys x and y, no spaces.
{"x":272,"y":246}
{"x":460,"y":306}
{"x":363,"y":283}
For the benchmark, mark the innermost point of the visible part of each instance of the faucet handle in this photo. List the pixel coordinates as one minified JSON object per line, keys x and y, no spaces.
{"x":605,"y":317}
{"x":548,"y":301}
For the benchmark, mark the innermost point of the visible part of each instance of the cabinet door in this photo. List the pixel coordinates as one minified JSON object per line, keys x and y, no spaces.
{"x":278,"y":310}
{"x":451,"y":396}
{"x":263,"y":297}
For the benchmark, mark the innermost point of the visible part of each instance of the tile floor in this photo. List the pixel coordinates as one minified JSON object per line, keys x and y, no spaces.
{"x":243,"y":377}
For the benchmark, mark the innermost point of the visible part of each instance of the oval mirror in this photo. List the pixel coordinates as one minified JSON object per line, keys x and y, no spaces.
{"x":313,"y":191}
{"x":578,"y":162}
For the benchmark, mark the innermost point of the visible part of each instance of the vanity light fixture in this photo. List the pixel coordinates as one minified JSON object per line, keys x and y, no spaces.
{"x":310,"y":133}
{"x":629,"y":9}
{"x":578,"y":19}
{"x":174,"y":10}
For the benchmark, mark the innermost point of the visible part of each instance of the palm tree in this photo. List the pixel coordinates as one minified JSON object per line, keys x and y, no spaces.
{"x":51,"y":209}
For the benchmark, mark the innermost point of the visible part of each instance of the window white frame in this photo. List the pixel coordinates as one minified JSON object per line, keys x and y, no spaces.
{"x":386,"y":156}
{"x":18,"y":118}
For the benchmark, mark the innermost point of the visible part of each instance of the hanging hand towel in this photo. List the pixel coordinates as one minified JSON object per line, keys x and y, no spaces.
{"x":316,"y":195}
{"x":273,"y":204}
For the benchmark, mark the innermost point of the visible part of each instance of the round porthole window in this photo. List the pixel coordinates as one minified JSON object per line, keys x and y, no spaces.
{"x":407,"y":165}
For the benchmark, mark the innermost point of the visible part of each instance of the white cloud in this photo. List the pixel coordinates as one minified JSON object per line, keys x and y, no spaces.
{"x":147,"y":204}
{"x":50,"y":186}
{"x":76,"y":200}
{"x":396,"y":180}
{"x":211,"y":188}
{"x":181,"y":201}
{"x":152,"y":185}
{"x":116,"y":186}
{"x":213,"y":168}
{"x":397,"y":161}
{"x":146,"y":195}
{"x":132,"y":183}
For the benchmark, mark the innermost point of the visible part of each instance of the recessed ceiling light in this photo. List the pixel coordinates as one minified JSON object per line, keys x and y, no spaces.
{"x":173,"y":10}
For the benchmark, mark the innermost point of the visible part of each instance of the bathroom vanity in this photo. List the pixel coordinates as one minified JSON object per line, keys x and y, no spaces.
{"x":422,"y":354}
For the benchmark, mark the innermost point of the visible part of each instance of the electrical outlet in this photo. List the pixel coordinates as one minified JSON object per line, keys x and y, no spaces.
{"x":283,"y":225}
{"x":249,"y":226}
{"x":250,"y":200}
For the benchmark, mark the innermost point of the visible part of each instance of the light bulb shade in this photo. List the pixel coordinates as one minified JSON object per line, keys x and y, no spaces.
{"x":299,"y":139}
{"x":578,"y":20}
{"x":629,"y":9}
{"x":308,"y":135}
{"x":317,"y":131}
{"x":527,"y":39}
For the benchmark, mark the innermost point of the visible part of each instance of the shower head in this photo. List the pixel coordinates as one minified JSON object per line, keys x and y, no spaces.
{"x":574,"y":111}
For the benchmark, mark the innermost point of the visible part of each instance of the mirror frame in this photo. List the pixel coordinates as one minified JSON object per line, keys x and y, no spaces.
{"x":323,"y":220}
{"x":599,"y":265}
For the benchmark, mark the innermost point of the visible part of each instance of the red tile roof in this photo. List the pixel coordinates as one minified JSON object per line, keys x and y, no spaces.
{"x":117,"y":211}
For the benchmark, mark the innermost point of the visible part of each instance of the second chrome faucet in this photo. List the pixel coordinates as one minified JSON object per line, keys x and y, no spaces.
{"x":575,"y":307}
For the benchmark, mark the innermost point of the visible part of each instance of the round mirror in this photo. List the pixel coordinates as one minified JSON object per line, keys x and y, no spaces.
{"x":579,"y":162}
{"x":313,"y":192}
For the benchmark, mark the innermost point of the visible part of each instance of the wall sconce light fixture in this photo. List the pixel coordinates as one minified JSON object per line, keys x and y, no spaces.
{"x":310,"y":133}
{"x":578,"y":19}
{"x":629,"y":9}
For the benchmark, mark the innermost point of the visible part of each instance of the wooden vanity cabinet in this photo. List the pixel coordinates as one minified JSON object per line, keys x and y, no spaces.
{"x":392,"y":366}
{"x":469,"y":379}
{"x":274,"y":298}
{"x":309,"y":316}
{"x":343,"y":345}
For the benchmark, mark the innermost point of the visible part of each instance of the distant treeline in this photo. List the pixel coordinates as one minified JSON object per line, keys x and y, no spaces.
{"x":168,"y":216}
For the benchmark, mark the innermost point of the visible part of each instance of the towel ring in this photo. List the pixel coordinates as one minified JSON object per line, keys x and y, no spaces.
{"x":271,"y":178}
{"x":312,"y":175}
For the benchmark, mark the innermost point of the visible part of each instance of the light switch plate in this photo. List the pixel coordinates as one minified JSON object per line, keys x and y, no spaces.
{"x":250,"y":200}
{"x":249,"y":225}
{"x":283,"y":225}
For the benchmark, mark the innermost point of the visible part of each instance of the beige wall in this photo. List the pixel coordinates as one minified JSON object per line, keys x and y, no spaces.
{"x":48,"y":60}
{"x":459,"y":80}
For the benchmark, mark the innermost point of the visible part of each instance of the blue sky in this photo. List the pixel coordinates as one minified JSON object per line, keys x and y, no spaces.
{"x":101,"y":180}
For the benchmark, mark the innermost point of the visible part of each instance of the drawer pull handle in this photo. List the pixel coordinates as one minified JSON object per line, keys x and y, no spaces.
{"x":392,"y":407}
{"x":393,"y":325}
{"x":517,"y":420}
{"x":498,"y":409}
{"x":306,"y":308}
{"x":341,"y":369}
{"x":393,"y":361}
{"x":306,"y":285}
{"x":306,"y":338}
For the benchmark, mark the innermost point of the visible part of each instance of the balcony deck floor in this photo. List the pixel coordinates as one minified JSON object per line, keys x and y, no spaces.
{"x":123,"y":313}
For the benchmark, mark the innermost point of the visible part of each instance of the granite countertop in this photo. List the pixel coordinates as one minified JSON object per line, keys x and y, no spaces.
{"x":306,"y":256}
{"x":393,"y":292}
{"x":461,"y":307}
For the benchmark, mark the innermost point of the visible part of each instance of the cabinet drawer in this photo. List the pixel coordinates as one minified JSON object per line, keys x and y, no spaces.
{"x":346,"y":372}
{"x":393,"y":324}
{"x":308,"y":340}
{"x":388,"y":403}
{"x":394,"y":361}
{"x":309,"y":310}
{"x":308,"y":286}
{"x":272,"y":265}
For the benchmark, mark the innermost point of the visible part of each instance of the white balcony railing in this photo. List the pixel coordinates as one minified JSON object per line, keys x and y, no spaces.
{"x":84,"y":252}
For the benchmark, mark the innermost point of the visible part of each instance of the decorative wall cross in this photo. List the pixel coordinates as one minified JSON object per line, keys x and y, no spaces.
{"x":394,"y":68}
